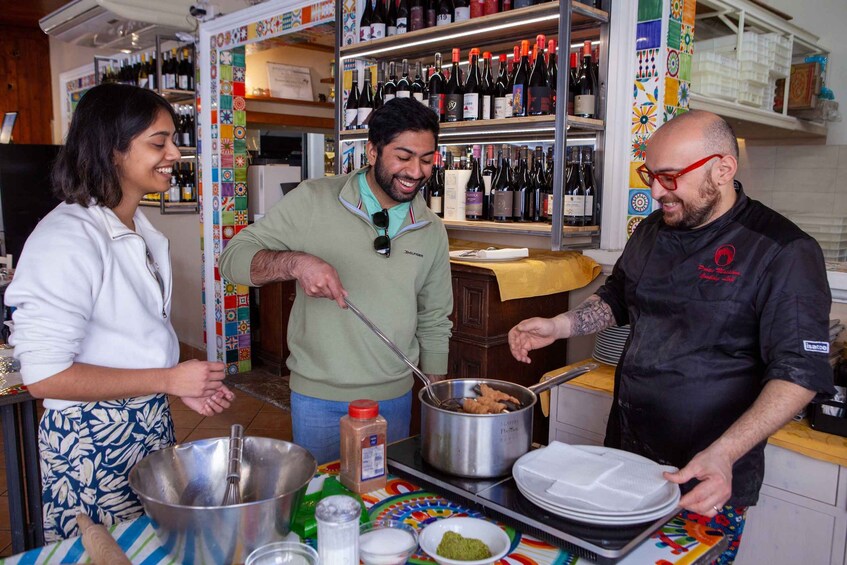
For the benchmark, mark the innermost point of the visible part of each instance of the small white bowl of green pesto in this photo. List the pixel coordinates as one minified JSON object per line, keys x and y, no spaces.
{"x":464,"y":541}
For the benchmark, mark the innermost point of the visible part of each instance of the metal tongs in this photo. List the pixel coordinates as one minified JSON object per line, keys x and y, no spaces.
{"x":233,"y":474}
{"x":417,"y":372}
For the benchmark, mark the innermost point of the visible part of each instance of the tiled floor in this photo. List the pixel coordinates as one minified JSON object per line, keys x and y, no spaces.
{"x":258,"y":418}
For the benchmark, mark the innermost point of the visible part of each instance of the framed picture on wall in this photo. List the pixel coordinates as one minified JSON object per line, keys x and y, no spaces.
{"x":74,"y":84}
{"x":290,"y":81}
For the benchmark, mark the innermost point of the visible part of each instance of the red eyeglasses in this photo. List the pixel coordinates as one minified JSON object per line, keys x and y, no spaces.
{"x":668,"y":180}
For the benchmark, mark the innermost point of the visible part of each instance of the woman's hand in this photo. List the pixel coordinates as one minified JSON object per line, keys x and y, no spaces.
{"x":211,"y":405}
{"x":195,"y":379}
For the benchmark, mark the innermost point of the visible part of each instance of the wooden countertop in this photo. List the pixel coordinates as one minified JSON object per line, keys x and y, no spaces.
{"x":795,"y":436}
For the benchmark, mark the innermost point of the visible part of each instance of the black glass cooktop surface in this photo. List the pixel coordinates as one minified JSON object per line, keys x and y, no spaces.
{"x":500,"y":499}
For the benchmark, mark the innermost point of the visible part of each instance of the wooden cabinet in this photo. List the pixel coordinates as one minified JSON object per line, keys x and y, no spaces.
{"x":479,"y":347}
{"x":274,"y":308}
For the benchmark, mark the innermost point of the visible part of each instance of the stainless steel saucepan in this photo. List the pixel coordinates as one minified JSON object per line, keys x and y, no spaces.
{"x":481,"y":445}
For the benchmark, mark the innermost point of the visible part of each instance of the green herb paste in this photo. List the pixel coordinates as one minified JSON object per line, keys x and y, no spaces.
{"x":455,"y":546}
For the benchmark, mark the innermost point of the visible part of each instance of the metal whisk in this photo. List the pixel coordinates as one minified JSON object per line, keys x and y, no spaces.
{"x":233,"y":475}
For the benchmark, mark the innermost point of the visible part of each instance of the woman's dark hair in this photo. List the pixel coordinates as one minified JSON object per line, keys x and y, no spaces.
{"x":106,"y":120}
{"x":397,"y":116}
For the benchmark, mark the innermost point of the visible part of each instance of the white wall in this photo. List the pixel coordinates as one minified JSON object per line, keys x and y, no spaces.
{"x":317,"y":61}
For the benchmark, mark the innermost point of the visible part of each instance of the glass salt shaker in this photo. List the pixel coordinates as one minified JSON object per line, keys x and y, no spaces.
{"x":338,"y":530}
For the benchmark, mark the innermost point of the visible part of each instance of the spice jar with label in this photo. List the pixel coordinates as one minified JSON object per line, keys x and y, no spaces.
{"x":363,"y":435}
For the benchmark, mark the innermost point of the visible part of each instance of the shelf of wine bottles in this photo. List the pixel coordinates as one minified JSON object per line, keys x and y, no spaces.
{"x":504,"y":129}
{"x":491,"y":31}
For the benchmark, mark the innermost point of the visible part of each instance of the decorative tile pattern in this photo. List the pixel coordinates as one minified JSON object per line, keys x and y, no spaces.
{"x":632,"y":223}
{"x":649,"y":10}
{"x":686,"y":39}
{"x":672,"y":63}
{"x":647,"y":63}
{"x":640,"y":202}
{"x":649,"y":35}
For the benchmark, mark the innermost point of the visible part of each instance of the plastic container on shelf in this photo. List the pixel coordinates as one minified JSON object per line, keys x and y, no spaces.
{"x":712,"y":62}
{"x":751,"y":93}
{"x":826,"y":222}
{"x":752,"y":71}
{"x":717,"y":85}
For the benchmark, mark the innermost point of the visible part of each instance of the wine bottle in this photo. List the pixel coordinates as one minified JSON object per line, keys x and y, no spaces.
{"x":390,"y":89}
{"x":501,"y":94}
{"x":474,"y":193}
{"x":488,"y":89}
{"x":378,"y":20}
{"x":444,"y":14}
{"x":539,"y":187}
{"x":471,"y":108}
{"x":505,"y":5}
{"x":523,"y":3}
{"x":418,"y":86}
{"x":522,"y":188}
{"x":454,"y":92}
{"x":477,"y":8}
{"x":185,"y":74}
{"x":404,"y":85}
{"x":520,"y":83}
{"x":513,"y":65}
{"x":351,"y":110}
{"x":391,"y":19}
{"x":590,"y":187}
{"x":431,"y":13}
{"x":436,"y":187}
{"x":379,"y":93}
{"x":501,"y":191}
{"x":574,"y":197}
{"x":365,"y":22}
{"x":417,"y":16}
{"x":366,"y":102}
{"x":461,"y":10}
{"x":143,"y":74}
{"x":437,"y":91}
{"x":402,"y":17}
{"x":552,"y":73}
{"x":539,"y":101}
{"x":488,"y":174}
{"x":573,"y":72}
{"x":490,"y":7}
{"x":585,"y":101}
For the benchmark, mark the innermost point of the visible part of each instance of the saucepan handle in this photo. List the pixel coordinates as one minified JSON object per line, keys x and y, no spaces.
{"x":563,"y":377}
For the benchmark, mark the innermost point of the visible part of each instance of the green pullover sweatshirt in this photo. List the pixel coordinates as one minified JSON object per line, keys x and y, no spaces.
{"x":408,"y":295}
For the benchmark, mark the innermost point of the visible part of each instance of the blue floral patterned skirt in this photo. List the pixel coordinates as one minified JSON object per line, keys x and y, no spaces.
{"x":87,"y":452}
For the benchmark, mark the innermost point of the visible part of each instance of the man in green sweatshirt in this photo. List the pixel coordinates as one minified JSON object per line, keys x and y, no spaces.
{"x":366,"y":235}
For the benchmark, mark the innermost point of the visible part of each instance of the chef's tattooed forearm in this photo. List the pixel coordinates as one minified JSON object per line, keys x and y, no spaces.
{"x":590,"y":317}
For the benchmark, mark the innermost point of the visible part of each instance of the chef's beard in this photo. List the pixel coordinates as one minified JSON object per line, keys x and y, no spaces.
{"x":385,"y":180}
{"x":695,"y":214}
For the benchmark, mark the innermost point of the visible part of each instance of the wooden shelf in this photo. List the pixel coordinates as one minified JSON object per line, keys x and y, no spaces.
{"x":327,"y":81}
{"x":177,"y":95}
{"x":505,"y":129}
{"x":755,"y":123}
{"x":487,"y":32}
{"x":292,"y":101}
{"x":524,"y":228}
{"x":271,"y":119}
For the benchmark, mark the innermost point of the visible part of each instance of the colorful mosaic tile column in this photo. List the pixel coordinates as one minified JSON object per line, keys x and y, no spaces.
{"x":228,"y":195}
{"x":662,"y":82}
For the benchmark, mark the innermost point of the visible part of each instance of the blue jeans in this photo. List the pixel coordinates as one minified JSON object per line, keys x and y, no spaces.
{"x":315,"y":423}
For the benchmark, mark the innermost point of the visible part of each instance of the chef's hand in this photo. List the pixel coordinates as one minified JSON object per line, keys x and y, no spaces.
{"x":195,"y":378}
{"x":319,"y":279}
{"x":210,"y":405}
{"x":530,"y":334}
{"x":435,"y":378}
{"x":714,"y":471}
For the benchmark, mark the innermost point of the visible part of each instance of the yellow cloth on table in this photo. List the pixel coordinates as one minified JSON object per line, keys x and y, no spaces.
{"x":602,"y":378}
{"x":540,"y":274}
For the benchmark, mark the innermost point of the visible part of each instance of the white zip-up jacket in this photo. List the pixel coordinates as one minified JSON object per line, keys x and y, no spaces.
{"x":86,"y":292}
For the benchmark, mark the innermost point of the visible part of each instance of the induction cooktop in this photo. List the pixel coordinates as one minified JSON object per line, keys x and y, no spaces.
{"x":500,"y":499}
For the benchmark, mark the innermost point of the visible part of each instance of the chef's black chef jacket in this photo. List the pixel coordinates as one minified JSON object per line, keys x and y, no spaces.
{"x":716,"y":312}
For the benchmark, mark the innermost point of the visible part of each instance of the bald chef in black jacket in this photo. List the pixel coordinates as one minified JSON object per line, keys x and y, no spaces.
{"x":729,"y":305}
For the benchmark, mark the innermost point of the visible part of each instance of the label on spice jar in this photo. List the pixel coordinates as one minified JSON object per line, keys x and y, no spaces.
{"x":373,"y":457}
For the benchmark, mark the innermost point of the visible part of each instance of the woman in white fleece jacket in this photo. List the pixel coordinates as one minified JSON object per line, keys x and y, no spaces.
{"x":92,"y":293}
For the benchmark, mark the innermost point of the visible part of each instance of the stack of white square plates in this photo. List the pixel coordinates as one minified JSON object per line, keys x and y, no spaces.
{"x":596,"y":485}
{"x":609,"y":344}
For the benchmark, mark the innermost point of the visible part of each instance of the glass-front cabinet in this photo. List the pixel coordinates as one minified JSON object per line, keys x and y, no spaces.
{"x":530,"y":168}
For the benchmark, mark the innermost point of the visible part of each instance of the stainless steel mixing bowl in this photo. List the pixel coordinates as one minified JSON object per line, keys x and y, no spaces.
{"x":182,"y":487}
